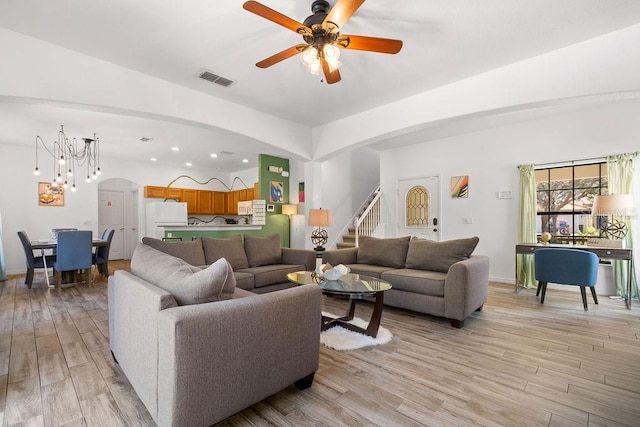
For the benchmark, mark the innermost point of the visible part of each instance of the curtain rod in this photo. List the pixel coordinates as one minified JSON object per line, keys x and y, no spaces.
{"x":570,"y":162}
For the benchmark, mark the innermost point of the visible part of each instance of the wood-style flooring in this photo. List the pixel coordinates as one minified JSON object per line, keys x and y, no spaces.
{"x":515,"y":363}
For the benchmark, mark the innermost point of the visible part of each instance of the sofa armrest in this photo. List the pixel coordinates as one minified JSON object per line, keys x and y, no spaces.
{"x":218,"y":358}
{"x":340,"y":256}
{"x":134,"y":305}
{"x":466,"y":287}
{"x":304,"y":257}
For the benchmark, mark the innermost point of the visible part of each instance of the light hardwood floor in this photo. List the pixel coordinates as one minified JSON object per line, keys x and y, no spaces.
{"x":515,"y":363}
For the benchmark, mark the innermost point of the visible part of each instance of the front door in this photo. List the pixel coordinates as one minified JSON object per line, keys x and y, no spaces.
{"x":419,"y":207}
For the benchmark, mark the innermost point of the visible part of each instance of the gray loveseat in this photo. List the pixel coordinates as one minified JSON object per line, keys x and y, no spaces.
{"x":438,"y":278}
{"x":259,"y":263}
{"x":196,"y":349}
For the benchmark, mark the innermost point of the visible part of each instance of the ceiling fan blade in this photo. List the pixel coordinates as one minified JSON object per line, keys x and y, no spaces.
{"x":371,"y":44}
{"x":277,"y":17}
{"x":341,"y":12}
{"x":281,"y":56}
{"x":331,"y":76}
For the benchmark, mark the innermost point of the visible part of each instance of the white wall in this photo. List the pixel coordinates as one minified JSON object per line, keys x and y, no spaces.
{"x":491,"y":157}
{"x":347,"y":180}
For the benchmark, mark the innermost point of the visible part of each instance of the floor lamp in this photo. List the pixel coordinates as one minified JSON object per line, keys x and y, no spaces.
{"x":319,"y":218}
{"x":289,"y":210}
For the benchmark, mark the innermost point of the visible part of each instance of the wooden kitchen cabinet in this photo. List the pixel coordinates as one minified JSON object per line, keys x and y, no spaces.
{"x":191,"y":198}
{"x":174,"y":193}
{"x":205,"y":202}
{"x":218,"y":203}
{"x":155,"y":192}
{"x":242,"y":195}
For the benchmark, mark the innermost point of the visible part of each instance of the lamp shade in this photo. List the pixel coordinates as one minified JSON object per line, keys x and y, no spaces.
{"x":612,"y":204}
{"x":289,"y":210}
{"x":320,"y":218}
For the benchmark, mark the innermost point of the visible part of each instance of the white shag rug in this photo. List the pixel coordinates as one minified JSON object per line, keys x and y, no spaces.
{"x":343,"y":339}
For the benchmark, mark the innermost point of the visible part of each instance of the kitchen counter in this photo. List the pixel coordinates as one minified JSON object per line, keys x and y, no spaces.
{"x":212,"y":227}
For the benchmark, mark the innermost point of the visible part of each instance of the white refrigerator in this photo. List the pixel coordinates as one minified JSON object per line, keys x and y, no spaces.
{"x":162,"y":214}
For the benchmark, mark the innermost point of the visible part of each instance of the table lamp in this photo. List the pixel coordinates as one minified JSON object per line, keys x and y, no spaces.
{"x":613,"y":204}
{"x":319,"y":218}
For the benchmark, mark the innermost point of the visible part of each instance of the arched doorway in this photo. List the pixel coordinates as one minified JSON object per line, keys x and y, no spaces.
{"x":117,"y":209}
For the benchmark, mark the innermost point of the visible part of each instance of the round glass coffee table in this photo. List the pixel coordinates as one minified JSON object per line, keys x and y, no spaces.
{"x":356,"y":287}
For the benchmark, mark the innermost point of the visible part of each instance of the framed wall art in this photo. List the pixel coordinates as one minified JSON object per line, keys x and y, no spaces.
{"x":48,"y":195}
{"x":460,"y":187}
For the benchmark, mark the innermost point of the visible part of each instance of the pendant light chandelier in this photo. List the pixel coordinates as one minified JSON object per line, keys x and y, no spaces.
{"x":68,"y":155}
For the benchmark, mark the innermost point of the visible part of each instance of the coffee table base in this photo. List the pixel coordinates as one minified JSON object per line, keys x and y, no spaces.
{"x":374,"y":322}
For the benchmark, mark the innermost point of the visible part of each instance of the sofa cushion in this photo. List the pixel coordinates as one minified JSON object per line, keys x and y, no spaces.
{"x":262,"y":250}
{"x":385,"y":252}
{"x":270,"y":274}
{"x":231,"y":249}
{"x":416,"y":281}
{"x":244,"y":280}
{"x":368,"y":270}
{"x":190,"y":252}
{"x":187,"y":283}
{"x":439,"y":256}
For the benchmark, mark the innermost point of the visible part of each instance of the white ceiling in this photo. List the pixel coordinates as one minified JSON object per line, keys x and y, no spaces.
{"x":444,"y":41}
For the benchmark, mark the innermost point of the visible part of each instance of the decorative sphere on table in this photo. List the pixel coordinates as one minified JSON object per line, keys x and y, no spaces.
{"x":545,"y":237}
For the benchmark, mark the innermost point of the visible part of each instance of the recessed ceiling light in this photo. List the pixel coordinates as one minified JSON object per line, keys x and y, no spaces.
{"x":189,"y":164}
{"x":214,"y":155}
{"x":153,"y":159}
{"x":245,"y":160}
{"x":175,"y":148}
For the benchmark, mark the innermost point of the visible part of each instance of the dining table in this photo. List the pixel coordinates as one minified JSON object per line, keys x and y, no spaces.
{"x":44,"y":244}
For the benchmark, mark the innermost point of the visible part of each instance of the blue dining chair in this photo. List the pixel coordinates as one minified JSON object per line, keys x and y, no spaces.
{"x":73,"y":253}
{"x":566,"y":267}
{"x":101,"y":257}
{"x":33,"y":262}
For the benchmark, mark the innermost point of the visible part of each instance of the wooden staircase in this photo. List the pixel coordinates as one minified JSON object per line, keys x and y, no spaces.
{"x":366,"y":221}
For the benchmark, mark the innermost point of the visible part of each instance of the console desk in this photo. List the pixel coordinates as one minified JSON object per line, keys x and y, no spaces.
{"x":603,"y":252}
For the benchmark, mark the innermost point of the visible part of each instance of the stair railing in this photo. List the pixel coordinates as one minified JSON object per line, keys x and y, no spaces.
{"x":368,"y":223}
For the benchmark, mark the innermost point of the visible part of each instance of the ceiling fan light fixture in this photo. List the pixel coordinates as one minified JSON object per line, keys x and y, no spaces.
{"x":309,"y":56}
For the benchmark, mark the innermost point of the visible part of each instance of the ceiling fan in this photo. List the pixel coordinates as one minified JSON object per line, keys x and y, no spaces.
{"x":321,"y":33}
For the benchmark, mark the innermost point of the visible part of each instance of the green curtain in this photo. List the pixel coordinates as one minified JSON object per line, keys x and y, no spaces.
{"x":525,"y":275}
{"x":620,"y":171}
{"x":3,"y":269}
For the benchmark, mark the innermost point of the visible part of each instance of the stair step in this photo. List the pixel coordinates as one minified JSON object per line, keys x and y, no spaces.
{"x":349,"y":238}
{"x":342,"y":245}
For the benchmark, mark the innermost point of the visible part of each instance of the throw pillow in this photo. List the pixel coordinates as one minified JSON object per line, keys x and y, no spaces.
{"x":263,"y":250}
{"x":188,"y":284}
{"x":384,"y":252}
{"x":231,"y":249}
{"x":439,"y":256}
{"x":190,"y":252}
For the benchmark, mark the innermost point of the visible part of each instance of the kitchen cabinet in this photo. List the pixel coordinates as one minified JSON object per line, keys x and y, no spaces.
{"x":191,"y":198}
{"x":242,"y":195}
{"x":155,"y":192}
{"x":218,"y":203}
{"x":205,"y":202}
{"x":174,"y":193}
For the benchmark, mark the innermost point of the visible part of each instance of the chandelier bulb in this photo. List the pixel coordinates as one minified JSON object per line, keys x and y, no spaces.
{"x":98,"y":172}
{"x":73,"y":188}
{"x":88,"y":178}
{"x":59,"y":178}
{"x":65,"y":185}
{"x":61,"y":161}
{"x":36,"y":172}
{"x":70,"y":173}
{"x":54,"y":183}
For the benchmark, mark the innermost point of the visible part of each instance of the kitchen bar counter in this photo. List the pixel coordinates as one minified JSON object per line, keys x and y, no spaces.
{"x":212,"y":227}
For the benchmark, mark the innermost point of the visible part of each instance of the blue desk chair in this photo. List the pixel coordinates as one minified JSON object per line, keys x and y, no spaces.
{"x":101,"y":257}
{"x":33,"y":262}
{"x":73,"y":253}
{"x":566,"y":267}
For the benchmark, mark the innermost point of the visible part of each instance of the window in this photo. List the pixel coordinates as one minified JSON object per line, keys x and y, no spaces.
{"x":417,"y":207}
{"x":564,"y":198}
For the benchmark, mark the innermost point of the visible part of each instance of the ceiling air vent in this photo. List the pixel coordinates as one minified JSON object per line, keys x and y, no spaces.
{"x":214,"y":78}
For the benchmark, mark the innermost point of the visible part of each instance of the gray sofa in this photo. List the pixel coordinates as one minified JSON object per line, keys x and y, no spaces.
{"x":442,"y":279}
{"x":196,"y":349}
{"x":259,"y":264}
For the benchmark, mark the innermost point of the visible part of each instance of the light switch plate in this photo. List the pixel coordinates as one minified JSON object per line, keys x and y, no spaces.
{"x":504,"y":194}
